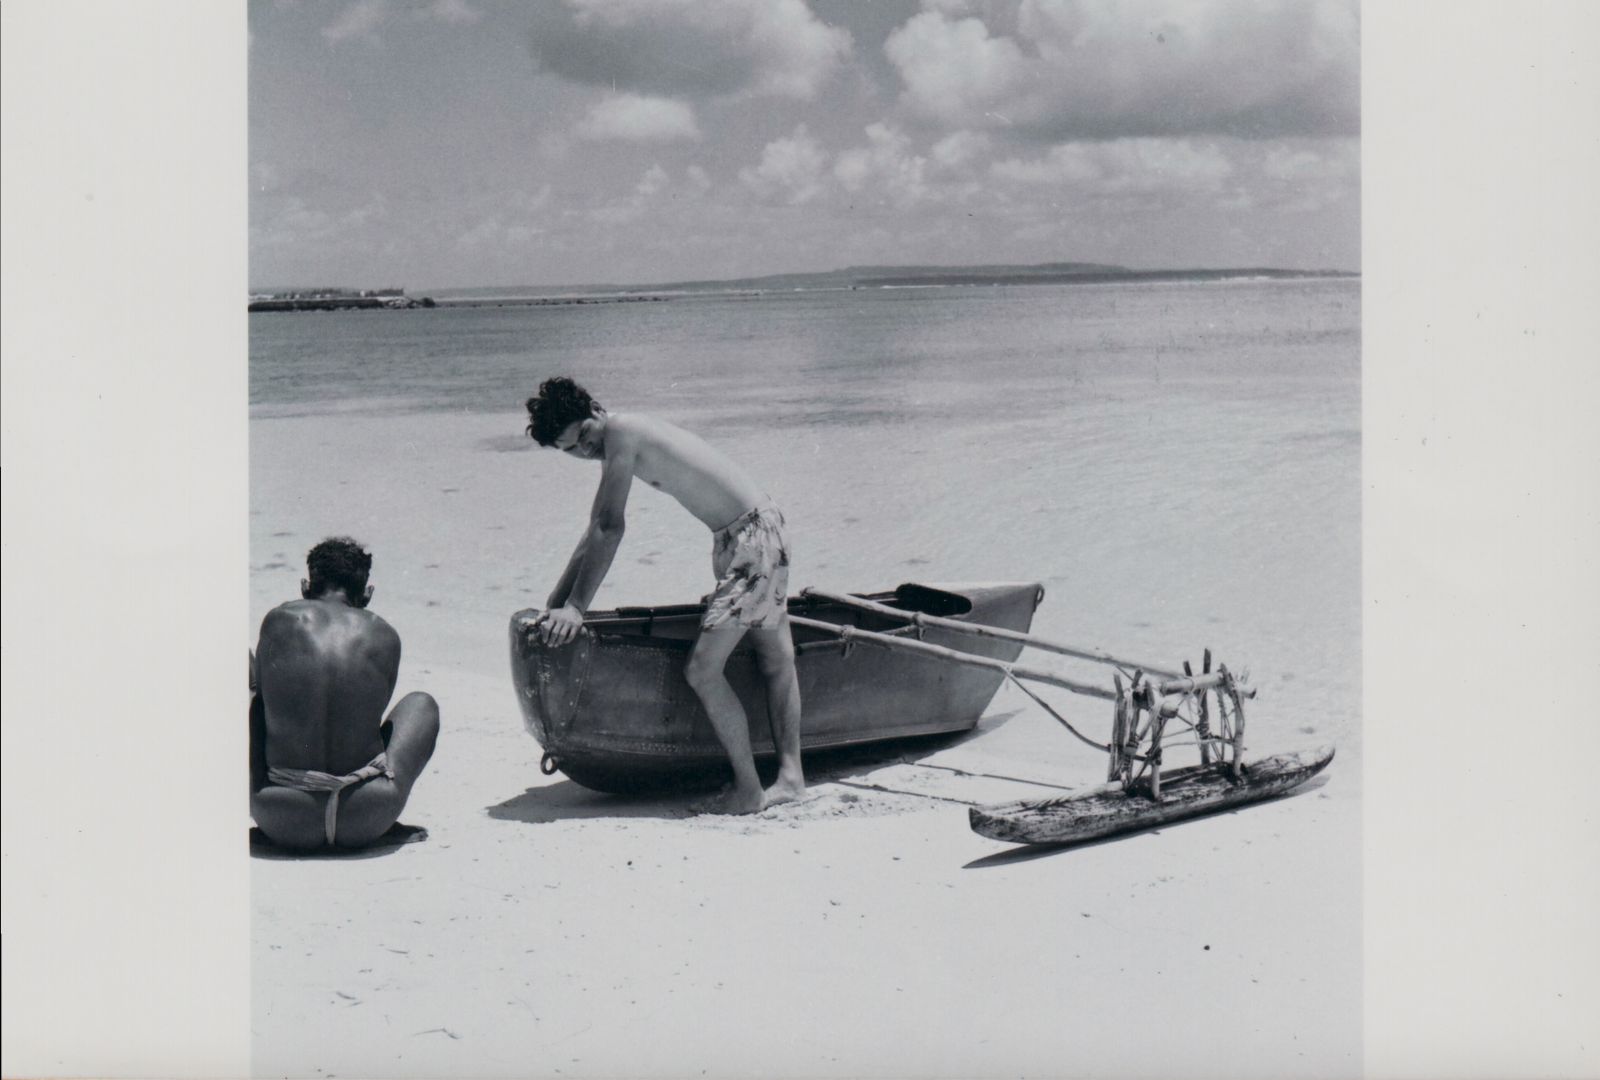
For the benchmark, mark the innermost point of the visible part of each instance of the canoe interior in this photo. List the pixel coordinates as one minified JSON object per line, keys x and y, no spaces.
{"x":614,"y":712}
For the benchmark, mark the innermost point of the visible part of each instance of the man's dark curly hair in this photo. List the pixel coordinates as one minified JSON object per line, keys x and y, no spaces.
{"x":341,"y":563}
{"x":560,"y":402}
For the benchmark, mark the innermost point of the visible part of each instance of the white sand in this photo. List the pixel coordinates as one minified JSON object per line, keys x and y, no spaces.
{"x":543,"y":929}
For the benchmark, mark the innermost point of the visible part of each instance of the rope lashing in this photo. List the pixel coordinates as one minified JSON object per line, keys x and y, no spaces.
{"x":847,"y":635}
{"x":1018,"y":683}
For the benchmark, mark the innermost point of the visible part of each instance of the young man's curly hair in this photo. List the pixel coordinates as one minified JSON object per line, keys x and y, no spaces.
{"x":341,"y":563}
{"x":559,"y":403}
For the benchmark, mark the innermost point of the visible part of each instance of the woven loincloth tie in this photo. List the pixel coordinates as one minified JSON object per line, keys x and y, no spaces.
{"x":312,"y":780}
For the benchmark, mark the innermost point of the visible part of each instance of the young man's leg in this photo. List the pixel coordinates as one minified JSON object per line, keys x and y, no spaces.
{"x":775,"y":657}
{"x":410,"y":732}
{"x":705,"y":673}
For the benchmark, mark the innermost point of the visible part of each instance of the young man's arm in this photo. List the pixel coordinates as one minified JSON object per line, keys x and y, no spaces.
{"x":558,"y":595}
{"x":590,"y":562}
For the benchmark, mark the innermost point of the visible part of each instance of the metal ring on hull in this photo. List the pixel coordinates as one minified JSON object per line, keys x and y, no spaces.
{"x":548,"y":764}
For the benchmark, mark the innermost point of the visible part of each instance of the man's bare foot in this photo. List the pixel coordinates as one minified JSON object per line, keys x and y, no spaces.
{"x":784,"y":790}
{"x":733,"y":801}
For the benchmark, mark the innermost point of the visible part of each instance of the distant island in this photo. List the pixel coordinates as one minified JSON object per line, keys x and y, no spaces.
{"x":336,"y":300}
{"x":854,"y":277}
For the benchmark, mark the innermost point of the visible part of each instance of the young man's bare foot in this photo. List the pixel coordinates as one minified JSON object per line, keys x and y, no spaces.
{"x":784,"y":790}
{"x":730,"y":800}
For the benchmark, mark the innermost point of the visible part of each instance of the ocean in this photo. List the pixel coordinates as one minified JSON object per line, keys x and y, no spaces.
{"x":1177,"y":463}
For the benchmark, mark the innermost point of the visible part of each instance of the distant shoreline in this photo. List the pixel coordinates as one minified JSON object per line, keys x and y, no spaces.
{"x":1115,"y":277}
{"x":856,"y":279}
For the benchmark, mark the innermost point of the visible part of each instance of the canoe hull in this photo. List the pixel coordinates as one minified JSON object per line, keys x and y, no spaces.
{"x":1185,"y":793}
{"x":613,"y":711}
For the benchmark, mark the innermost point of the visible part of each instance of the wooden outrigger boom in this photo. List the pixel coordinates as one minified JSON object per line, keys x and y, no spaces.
{"x":1144,"y":704}
{"x":917,"y":618}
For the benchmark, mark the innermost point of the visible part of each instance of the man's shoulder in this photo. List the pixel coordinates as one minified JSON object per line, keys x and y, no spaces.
{"x":291,"y":611}
{"x":381,"y":627}
{"x":312,"y":614}
{"x":628,"y":433}
{"x":629,"y":426}
{"x":642,"y":429}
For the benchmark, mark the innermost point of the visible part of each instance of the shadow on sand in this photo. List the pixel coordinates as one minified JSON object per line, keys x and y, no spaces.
{"x":1022,"y":853}
{"x":566,"y":800}
{"x":397,"y":837}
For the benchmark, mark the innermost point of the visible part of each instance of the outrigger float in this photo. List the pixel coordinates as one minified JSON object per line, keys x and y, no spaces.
{"x":1155,"y":709}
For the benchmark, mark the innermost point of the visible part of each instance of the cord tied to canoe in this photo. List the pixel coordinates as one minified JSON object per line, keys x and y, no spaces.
{"x":847,"y":640}
{"x":1045,"y":705}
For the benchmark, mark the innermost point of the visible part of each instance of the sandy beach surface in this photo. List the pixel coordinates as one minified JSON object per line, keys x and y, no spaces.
{"x":543,"y":929}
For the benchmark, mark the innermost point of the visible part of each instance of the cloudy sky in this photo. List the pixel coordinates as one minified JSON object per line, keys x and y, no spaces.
{"x":438,"y":143}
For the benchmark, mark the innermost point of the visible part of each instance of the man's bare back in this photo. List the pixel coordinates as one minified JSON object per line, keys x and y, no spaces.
{"x":326,"y":672}
{"x":326,"y":766}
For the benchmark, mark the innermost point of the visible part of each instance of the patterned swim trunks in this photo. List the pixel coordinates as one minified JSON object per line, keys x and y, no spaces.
{"x":750,"y":558}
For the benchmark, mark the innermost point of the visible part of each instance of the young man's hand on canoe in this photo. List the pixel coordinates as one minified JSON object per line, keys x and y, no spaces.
{"x":558,"y":627}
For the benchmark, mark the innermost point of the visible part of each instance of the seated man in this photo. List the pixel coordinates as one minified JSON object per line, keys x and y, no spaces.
{"x":326,"y":768}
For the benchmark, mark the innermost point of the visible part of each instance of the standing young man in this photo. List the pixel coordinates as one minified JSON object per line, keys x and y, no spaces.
{"x":749,"y":556}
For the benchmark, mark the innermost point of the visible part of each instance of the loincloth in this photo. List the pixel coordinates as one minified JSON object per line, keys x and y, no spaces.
{"x":313,"y":781}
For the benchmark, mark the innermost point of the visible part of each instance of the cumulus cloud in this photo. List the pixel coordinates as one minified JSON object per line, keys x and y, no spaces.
{"x":886,"y":166}
{"x":358,"y":20}
{"x":1064,"y":69}
{"x":457,"y":12}
{"x":637,"y":203}
{"x":960,"y":149}
{"x":363,"y":18}
{"x":654,"y":179}
{"x":790,"y":171}
{"x":1136,"y":166}
{"x":632,"y":118}
{"x":294,"y":220}
{"x":1326,"y":159}
{"x":689,"y":48}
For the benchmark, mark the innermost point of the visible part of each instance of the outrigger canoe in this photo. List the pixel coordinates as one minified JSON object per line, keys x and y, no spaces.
{"x":613,"y":712}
